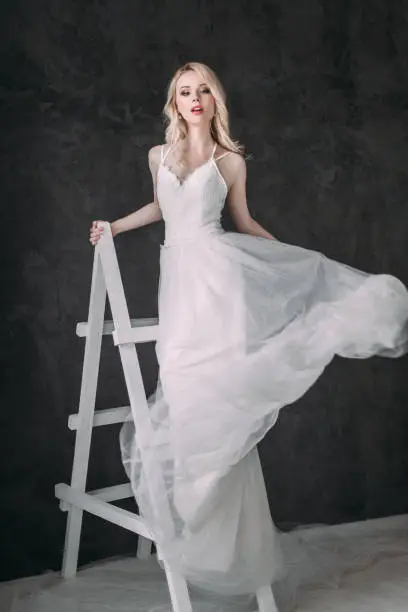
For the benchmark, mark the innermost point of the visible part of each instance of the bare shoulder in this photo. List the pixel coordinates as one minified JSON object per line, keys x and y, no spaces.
{"x":232,"y":166}
{"x":230,"y":159}
{"x":154,"y":156}
{"x":237,"y":161}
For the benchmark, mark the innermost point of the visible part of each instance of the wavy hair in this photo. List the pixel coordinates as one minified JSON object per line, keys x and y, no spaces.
{"x":176,"y":129}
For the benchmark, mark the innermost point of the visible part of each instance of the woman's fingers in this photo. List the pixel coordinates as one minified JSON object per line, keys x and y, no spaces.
{"x":95,"y":232}
{"x":95,"y":226}
{"x":95,"y":229}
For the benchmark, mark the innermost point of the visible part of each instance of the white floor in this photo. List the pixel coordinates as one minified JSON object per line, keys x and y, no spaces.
{"x":363,"y":567}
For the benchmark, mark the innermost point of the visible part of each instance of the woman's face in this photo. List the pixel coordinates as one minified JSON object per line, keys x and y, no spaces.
{"x":192,"y":92}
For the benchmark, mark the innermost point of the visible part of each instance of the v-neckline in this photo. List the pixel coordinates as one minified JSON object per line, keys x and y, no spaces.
{"x":189,"y":175}
{"x":182,"y":182}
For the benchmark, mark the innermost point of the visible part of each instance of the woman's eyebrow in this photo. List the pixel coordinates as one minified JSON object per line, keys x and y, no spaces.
{"x":183,"y":86}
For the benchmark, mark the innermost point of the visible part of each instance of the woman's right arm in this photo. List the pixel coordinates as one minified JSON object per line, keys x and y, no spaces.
{"x":143,"y":216}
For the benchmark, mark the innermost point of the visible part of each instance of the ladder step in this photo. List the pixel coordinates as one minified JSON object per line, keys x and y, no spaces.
{"x":134,"y":335}
{"x":122,"y":491}
{"x":114,"y":493}
{"x":102,"y":417}
{"x":98,"y":507}
{"x":145,"y":329}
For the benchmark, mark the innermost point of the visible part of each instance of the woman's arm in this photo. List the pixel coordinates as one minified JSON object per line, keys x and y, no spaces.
{"x":237,"y":201}
{"x":147,"y":214}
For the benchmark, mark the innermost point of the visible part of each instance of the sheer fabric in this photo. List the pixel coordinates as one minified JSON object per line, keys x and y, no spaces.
{"x":247,"y":325}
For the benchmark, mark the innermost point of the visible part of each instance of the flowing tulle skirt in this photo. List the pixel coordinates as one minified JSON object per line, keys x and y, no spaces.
{"x":247,"y":325}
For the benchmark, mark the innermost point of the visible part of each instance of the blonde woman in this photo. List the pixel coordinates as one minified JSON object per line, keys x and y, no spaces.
{"x":247,"y":325}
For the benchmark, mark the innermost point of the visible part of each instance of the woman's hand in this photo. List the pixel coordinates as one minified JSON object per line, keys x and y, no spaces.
{"x":95,"y":232}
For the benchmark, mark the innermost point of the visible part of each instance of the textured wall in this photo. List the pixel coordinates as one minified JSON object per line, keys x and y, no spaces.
{"x":318,"y":94}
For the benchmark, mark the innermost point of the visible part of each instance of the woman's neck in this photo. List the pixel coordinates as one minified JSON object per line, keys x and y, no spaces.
{"x":198,"y":139}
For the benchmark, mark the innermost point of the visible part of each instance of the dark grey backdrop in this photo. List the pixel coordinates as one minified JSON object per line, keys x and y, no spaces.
{"x":318,"y":94}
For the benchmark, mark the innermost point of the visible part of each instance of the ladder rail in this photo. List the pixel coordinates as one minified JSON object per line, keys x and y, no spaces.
{"x":133,"y":377}
{"x":86,"y":409}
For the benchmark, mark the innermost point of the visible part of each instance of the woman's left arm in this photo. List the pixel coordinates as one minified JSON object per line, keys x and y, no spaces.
{"x":237,"y":201}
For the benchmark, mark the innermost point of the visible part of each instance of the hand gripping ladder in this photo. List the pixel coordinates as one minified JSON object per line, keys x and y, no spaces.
{"x":74,"y":499}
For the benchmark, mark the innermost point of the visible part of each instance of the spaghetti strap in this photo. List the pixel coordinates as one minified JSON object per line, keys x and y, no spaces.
{"x":163,"y":156}
{"x":221,"y":156}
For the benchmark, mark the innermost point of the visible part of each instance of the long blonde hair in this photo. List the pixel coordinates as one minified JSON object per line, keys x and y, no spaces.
{"x":176,"y":129}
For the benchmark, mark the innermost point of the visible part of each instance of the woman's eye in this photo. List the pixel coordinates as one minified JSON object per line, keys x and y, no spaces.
{"x":187,"y":93}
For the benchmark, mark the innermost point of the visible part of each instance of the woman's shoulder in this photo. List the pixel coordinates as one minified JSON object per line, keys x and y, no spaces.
{"x":229,"y":159}
{"x":154,"y":153}
{"x":224,"y":153}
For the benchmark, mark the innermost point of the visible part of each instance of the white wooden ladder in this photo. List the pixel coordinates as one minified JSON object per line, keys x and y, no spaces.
{"x":74,"y":499}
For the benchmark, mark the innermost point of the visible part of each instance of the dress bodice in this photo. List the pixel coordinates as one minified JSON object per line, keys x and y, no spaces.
{"x":191,"y":207}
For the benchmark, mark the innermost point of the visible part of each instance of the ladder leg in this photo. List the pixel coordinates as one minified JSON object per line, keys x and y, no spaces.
{"x":266,"y":599}
{"x":71,"y":545}
{"x":179,"y":595}
{"x":86,"y":415}
{"x":144,"y":548}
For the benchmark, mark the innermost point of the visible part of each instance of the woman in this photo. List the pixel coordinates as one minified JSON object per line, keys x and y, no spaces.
{"x":247,"y":324}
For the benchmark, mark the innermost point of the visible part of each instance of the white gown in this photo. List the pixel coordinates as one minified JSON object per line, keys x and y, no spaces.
{"x":247,"y":325}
